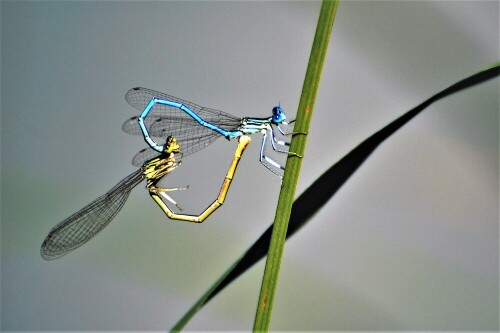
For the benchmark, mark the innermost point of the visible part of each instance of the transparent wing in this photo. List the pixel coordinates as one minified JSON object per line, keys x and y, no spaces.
{"x":190,"y":135}
{"x":164,"y":120}
{"x":143,"y":156}
{"x":139,"y":98}
{"x":80,"y":227}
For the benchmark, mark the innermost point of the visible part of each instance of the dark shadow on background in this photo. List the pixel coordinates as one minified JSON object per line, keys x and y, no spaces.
{"x":316,"y":195}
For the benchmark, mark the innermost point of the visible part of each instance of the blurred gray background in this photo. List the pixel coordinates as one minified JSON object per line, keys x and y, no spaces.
{"x":409,"y":243}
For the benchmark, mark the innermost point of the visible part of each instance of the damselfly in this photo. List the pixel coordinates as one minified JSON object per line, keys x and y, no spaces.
{"x":195,"y":127}
{"x":80,"y":227}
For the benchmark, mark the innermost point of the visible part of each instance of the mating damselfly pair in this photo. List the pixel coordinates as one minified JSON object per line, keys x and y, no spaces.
{"x":185,"y":128}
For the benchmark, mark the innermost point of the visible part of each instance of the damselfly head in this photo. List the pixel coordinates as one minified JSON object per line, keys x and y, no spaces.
{"x":171,"y":145}
{"x":278,"y":115}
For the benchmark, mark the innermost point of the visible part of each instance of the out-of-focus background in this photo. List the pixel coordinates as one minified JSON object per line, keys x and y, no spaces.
{"x":409,"y":243}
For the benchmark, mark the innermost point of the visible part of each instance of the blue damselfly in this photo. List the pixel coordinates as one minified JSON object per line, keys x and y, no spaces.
{"x":195,"y":127}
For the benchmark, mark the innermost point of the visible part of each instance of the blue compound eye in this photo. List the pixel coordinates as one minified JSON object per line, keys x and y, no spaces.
{"x":278,"y":115}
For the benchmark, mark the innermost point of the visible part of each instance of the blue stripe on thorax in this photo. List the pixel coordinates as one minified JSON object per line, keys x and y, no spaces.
{"x":254,"y":125}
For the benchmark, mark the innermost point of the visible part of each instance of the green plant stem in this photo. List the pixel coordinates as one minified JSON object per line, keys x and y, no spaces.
{"x":290,"y":178}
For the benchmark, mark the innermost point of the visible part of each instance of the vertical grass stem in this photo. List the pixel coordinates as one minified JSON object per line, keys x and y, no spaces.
{"x":290,"y":178}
